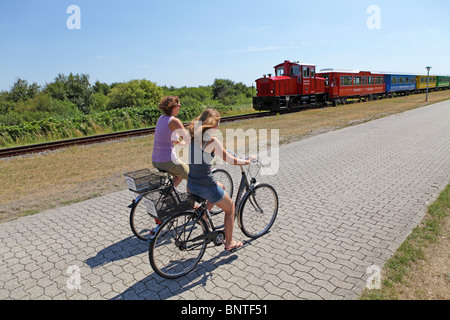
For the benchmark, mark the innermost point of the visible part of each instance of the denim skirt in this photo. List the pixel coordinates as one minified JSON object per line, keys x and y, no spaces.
{"x":213,"y":194}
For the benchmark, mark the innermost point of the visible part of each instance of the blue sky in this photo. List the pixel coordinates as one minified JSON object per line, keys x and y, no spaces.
{"x":190,"y":43}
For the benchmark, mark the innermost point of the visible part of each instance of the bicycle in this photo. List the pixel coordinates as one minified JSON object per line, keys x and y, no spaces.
{"x":180,"y":241}
{"x":158,"y":199}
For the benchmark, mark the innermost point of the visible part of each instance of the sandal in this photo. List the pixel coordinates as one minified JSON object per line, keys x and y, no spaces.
{"x":237,"y":244}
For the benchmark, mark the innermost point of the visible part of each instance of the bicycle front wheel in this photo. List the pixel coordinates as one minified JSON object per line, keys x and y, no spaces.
{"x":223,"y":177}
{"x":258,"y":211}
{"x":178,"y":245}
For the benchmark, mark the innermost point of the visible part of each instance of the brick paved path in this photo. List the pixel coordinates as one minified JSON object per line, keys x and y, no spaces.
{"x":348,"y":199}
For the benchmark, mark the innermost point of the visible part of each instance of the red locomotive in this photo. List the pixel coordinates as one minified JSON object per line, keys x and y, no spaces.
{"x":295,"y":85}
{"x":292,"y":86}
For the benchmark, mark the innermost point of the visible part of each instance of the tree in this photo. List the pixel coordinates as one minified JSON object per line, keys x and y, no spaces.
{"x":228,"y":93}
{"x":21,"y":90}
{"x":135,"y":93}
{"x":103,"y":88}
{"x":75,"y":88}
{"x":222,"y":88}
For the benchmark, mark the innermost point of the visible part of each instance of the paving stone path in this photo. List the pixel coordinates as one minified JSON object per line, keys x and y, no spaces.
{"x":348,"y":199}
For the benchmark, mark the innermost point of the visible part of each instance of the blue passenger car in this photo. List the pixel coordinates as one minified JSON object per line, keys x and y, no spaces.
{"x":400,"y":84}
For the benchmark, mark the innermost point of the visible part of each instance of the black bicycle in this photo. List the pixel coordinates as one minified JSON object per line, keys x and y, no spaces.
{"x":158,"y":199}
{"x":180,"y":242}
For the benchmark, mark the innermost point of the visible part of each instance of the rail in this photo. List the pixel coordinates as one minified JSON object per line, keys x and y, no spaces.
{"x":41,"y":147}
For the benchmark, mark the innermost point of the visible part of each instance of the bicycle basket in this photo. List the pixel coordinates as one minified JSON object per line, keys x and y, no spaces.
{"x":166,"y":206}
{"x":144,"y":180}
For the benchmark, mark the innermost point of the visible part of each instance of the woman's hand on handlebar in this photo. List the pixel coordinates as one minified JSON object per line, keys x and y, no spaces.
{"x":252,"y":159}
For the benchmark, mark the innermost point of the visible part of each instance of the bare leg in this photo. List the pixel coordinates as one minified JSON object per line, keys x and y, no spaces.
{"x":228,"y":206}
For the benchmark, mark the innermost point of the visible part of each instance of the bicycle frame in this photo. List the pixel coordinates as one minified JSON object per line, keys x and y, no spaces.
{"x":244,"y":185}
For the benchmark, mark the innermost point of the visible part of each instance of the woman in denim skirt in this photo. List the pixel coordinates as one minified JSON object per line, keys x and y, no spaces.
{"x":203,"y":148}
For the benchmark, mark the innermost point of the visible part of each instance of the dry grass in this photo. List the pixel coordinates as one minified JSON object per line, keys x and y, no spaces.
{"x":35,"y":183}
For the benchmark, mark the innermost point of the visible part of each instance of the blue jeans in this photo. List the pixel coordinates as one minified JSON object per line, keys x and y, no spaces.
{"x":213,"y":194}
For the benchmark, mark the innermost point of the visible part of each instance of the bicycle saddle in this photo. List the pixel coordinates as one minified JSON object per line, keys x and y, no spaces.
{"x":197,"y":198}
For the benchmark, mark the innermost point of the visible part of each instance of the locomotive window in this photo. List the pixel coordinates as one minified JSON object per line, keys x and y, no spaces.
{"x":312,"y":72}
{"x":306,"y":72}
{"x":280,"y":71}
{"x":295,"y":70}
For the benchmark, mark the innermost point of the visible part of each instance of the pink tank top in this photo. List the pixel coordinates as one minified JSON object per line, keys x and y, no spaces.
{"x":163,"y":149}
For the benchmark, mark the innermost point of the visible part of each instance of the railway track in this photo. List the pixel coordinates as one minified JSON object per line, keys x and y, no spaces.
{"x":35,"y":148}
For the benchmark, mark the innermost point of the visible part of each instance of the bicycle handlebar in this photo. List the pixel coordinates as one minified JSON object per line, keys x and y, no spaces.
{"x":254,"y":160}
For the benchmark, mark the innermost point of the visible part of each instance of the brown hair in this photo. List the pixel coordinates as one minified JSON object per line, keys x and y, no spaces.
{"x":168,"y":103}
{"x":209,"y":119}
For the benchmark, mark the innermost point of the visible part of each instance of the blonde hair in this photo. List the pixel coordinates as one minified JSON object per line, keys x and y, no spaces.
{"x":168,"y":103}
{"x":208,"y":119}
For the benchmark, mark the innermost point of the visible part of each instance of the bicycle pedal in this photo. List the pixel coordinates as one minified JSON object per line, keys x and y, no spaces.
{"x":220,"y":238}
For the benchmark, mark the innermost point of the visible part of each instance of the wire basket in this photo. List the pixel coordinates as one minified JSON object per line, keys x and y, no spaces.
{"x":163,"y":206}
{"x":144,"y":180}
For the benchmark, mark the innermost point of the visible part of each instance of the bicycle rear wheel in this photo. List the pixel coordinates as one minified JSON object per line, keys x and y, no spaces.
{"x":223,"y":177}
{"x":174,"y":251}
{"x":258,"y":211}
{"x":141,"y":222}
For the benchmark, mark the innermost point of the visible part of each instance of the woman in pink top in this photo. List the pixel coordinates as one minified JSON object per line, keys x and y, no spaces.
{"x":168,"y":132}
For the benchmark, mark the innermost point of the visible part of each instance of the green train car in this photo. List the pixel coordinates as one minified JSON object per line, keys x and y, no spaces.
{"x":443,"y":82}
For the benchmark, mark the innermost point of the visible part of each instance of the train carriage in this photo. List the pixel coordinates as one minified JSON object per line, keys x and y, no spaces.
{"x":443,"y":82}
{"x":342,"y":85}
{"x":421,"y":83}
{"x":399,"y":84}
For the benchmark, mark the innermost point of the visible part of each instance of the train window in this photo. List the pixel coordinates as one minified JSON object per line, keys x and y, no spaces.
{"x":295,"y":70}
{"x":348,"y":81}
{"x":342,"y":80}
{"x":280,"y":71}
{"x":312,"y":72}
{"x":401,"y":80}
{"x":306,"y":73}
{"x":394,"y":80}
{"x":357,"y":81}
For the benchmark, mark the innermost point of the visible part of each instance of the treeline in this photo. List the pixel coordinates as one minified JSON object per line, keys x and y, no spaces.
{"x":70,"y":106}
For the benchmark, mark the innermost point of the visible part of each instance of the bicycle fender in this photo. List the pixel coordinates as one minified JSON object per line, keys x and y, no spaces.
{"x":136,"y":200}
